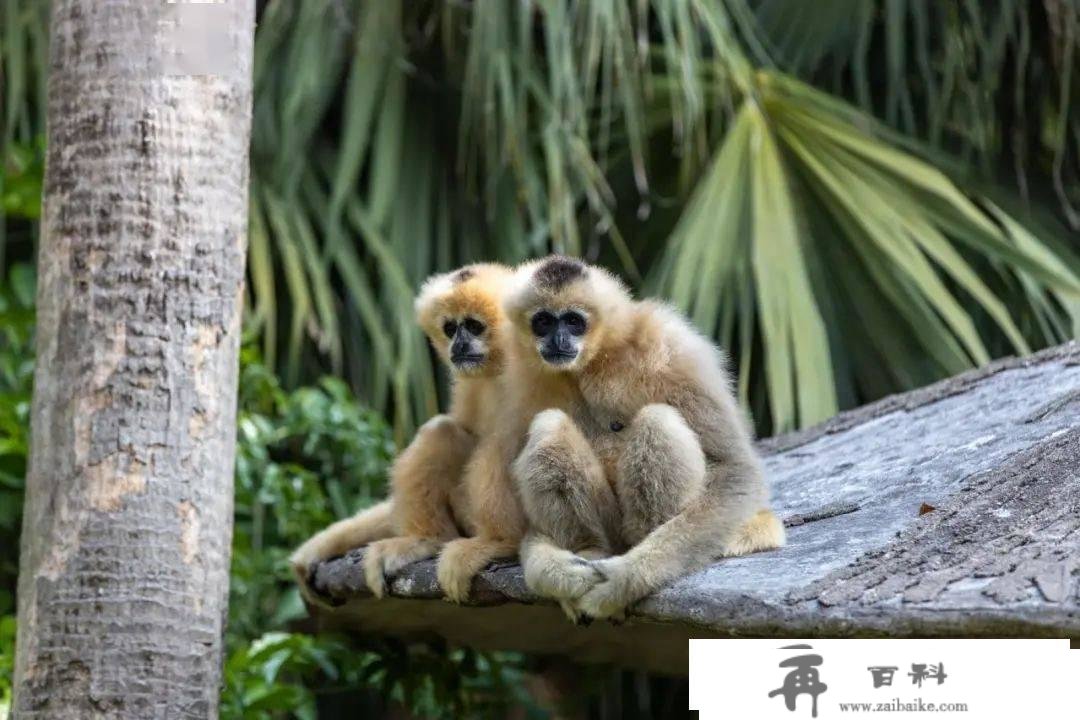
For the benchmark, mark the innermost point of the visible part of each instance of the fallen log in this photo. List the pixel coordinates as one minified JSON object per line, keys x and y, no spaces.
{"x":953,"y":510}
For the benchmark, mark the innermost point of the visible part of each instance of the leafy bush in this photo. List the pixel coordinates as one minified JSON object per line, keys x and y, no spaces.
{"x":7,"y":661}
{"x":304,"y":459}
{"x":16,"y":379}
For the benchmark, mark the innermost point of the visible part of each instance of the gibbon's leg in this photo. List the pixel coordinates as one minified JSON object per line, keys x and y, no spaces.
{"x":369,"y":524}
{"x":688,"y":542}
{"x":570,"y":507}
{"x":421,"y":480}
{"x":497,"y":518}
{"x":660,"y":471}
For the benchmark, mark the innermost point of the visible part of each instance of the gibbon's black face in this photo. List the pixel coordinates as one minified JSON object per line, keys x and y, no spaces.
{"x":559,"y":335}
{"x":468,"y":342}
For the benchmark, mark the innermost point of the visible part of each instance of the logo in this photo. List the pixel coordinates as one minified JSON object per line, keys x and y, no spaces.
{"x":804,"y":679}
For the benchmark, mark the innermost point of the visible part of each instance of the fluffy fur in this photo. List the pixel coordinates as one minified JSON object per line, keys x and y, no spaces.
{"x":437,"y":492}
{"x":659,"y":416}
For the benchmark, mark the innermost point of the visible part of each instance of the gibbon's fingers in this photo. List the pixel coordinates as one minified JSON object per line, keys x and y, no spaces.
{"x":460,"y":561}
{"x":660,"y":472}
{"x":373,"y":523}
{"x":553,"y":572}
{"x":385,"y":558}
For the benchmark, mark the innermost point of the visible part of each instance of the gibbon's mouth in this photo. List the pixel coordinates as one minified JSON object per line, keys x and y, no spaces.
{"x":559,"y":358}
{"x":469,"y":360}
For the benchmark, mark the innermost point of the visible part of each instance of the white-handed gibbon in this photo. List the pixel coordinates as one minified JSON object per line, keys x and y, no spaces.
{"x":430,"y":501}
{"x":659,"y":462}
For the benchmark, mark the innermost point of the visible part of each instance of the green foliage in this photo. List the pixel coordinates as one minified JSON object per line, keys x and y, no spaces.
{"x":23,"y":169}
{"x":7,"y":661}
{"x":748,"y":159}
{"x":16,"y":381}
{"x":304,"y":459}
{"x":551,"y":125}
{"x":282,"y":674}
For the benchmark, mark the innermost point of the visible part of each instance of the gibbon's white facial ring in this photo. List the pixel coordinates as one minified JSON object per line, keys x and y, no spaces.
{"x":558,"y":334}
{"x":468,"y":348}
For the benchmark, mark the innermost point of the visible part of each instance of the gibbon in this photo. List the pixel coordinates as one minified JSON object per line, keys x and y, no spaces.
{"x":658,"y":464}
{"x":430,"y":503}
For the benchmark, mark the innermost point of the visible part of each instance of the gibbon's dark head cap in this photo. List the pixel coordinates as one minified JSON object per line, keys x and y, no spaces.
{"x":464,"y":274}
{"x":557,"y":272}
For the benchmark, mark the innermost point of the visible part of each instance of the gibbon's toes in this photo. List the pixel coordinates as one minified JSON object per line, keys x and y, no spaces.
{"x":569,"y":581}
{"x":569,"y":611}
{"x":455,"y":584}
{"x":611,"y":596}
{"x":373,"y":571}
{"x":600,"y":602}
{"x":454,"y":578}
{"x":305,"y":579}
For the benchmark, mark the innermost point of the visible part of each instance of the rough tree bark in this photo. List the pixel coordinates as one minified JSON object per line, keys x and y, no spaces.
{"x":125,"y":546}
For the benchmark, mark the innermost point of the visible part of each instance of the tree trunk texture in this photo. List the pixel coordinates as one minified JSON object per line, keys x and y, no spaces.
{"x":953,"y":510}
{"x":123,"y":580}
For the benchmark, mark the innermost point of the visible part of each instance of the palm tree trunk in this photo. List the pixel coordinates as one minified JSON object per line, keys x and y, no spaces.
{"x":123,"y":578}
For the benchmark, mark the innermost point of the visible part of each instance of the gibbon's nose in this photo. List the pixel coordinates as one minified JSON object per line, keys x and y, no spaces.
{"x":564,"y":342}
{"x":461,"y":345}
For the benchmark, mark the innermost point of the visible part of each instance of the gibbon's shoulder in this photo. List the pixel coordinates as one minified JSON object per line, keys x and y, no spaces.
{"x":682,"y":342}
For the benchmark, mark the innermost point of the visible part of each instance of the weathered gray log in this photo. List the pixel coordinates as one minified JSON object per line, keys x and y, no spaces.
{"x":950,"y":510}
{"x":124,"y":570}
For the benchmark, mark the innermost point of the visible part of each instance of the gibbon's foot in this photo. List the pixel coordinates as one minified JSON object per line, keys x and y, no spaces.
{"x":460,"y":561}
{"x":575,"y":617}
{"x":385,"y":558}
{"x":609,"y":598}
{"x":567,"y":580}
{"x":305,"y":579}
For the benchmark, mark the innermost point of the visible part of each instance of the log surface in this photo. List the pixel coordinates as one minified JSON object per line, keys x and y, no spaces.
{"x":950,"y":510}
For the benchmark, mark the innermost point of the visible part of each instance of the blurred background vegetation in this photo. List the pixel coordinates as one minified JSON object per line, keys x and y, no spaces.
{"x":854,"y":197}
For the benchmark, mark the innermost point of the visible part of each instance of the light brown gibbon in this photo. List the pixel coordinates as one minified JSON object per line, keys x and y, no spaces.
{"x":659,"y":465}
{"x":433,"y":500}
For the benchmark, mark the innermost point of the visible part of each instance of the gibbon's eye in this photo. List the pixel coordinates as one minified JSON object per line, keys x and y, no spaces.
{"x":449,"y":328}
{"x":543,"y":323}
{"x":575,"y":322}
{"x":616,"y":426}
{"x":474,"y":326}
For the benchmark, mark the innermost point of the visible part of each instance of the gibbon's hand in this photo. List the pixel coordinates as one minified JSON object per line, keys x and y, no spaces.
{"x":609,"y":597}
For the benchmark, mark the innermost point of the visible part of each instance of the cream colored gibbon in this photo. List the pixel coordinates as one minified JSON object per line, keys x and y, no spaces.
{"x":432,"y":500}
{"x":659,"y":462}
